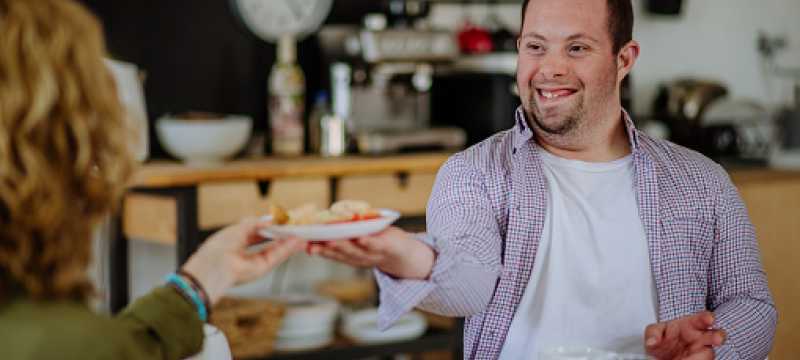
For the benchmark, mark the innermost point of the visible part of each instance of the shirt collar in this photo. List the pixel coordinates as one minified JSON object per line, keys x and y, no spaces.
{"x":630,"y":129}
{"x":523,"y":133}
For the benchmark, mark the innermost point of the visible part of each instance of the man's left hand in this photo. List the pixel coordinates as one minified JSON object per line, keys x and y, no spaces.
{"x":688,"y":338}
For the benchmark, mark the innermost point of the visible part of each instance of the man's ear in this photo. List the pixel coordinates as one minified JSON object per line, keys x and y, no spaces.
{"x":626,"y":58}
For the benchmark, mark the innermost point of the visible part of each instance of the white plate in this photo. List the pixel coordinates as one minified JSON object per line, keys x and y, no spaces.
{"x":362,"y":327}
{"x":314,"y":341}
{"x":306,"y":315}
{"x":333,"y":231}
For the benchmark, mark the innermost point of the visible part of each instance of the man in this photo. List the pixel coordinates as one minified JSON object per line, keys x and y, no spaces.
{"x":575,"y":229}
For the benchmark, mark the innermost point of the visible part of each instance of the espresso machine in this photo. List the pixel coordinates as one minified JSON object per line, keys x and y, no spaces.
{"x":393,"y":70}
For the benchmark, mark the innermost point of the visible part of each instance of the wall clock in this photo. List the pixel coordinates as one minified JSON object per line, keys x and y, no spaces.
{"x":272,"y":19}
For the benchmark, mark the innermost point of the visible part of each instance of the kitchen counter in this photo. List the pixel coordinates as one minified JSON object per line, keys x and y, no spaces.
{"x":165,"y":174}
{"x":763,"y":175}
{"x":169,"y":173}
{"x":773,"y":201}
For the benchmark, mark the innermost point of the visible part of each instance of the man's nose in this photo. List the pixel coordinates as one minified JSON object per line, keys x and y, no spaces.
{"x":553,"y":66}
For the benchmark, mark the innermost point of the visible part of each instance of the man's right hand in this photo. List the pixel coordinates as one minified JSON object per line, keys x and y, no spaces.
{"x":688,"y":338}
{"x":392,"y":251}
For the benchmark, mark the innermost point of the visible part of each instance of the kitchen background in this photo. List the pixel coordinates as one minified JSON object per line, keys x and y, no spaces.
{"x":198,"y":57}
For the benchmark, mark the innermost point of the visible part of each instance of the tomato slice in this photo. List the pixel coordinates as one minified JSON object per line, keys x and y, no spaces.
{"x":365,"y":216}
{"x":357,"y":217}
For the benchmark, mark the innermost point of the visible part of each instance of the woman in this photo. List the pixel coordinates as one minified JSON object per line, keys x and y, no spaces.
{"x":64,"y":161}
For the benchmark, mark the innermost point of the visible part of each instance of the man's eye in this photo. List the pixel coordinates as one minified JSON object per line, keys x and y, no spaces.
{"x":535,"y":47}
{"x":577,"y":48}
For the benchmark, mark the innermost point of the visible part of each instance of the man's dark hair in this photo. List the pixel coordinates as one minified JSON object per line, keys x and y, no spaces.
{"x":620,"y":21}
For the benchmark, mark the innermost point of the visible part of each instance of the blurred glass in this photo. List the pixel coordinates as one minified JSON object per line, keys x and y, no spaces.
{"x":574,"y":353}
{"x":586,"y":353}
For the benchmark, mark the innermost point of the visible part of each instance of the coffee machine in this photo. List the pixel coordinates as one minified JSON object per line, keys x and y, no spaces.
{"x":393,"y":73}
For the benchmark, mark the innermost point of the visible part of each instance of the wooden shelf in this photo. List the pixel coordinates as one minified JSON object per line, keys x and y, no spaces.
{"x":163,"y":174}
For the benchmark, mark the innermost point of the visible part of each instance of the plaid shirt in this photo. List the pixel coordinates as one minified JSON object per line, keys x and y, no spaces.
{"x":485,"y":218}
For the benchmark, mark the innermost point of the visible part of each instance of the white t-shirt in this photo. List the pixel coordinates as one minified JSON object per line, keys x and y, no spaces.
{"x":591,"y":284}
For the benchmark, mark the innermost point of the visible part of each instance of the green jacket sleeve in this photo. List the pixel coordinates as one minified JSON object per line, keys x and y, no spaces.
{"x":163,"y":325}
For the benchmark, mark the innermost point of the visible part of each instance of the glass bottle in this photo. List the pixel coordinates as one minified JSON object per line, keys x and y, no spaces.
{"x":341,"y":93}
{"x":318,"y":112}
{"x":286,"y":100}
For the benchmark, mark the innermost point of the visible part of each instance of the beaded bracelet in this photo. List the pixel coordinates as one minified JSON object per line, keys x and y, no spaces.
{"x":182,"y":293}
{"x":187,"y":290}
{"x":197,"y":286}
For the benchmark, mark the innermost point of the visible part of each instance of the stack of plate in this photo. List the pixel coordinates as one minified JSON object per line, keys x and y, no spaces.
{"x":362,"y":327}
{"x":308,"y":323}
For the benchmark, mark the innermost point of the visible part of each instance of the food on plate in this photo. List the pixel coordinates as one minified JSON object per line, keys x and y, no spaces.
{"x":351,"y":210}
{"x":311,"y":214}
{"x":279,"y":216}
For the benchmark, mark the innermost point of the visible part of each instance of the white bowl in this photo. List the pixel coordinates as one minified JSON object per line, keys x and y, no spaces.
{"x":362,"y":327}
{"x":204,"y":142}
{"x":307,"y":315}
{"x":310,"y":342}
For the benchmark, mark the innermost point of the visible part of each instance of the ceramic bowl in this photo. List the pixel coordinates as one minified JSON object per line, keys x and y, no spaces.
{"x":362,"y":327}
{"x":206,"y":141}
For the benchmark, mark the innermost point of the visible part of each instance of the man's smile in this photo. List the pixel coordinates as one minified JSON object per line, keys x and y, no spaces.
{"x":553,"y":95}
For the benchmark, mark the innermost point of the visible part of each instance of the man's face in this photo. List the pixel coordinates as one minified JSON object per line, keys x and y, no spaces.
{"x":566,"y":70}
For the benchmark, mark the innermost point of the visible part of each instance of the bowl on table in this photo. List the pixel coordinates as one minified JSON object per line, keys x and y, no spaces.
{"x":362,"y":327}
{"x":203,"y":140}
{"x":308,"y":323}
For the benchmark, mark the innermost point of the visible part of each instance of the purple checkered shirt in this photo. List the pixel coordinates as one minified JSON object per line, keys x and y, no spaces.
{"x":485,"y":218}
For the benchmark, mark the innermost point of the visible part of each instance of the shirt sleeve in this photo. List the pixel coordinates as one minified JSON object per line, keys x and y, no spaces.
{"x":739,"y":295}
{"x":164,"y":323}
{"x":464,"y":234}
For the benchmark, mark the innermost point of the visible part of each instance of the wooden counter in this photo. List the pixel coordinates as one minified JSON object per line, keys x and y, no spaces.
{"x":773,"y":201}
{"x":221,"y":195}
{"x":167,"y":174}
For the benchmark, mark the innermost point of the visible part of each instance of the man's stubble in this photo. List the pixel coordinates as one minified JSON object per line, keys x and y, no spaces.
{"x":573,"y":127}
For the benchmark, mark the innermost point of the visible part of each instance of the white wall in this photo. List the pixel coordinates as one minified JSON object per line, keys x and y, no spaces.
{"x":713,"y":38}
{"x":716,"y":39}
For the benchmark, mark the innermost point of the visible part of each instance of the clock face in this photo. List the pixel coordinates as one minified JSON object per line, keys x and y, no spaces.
{"x":270,"y":19}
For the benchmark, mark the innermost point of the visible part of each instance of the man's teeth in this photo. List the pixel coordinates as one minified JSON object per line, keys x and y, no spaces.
{"x":554,"y":94}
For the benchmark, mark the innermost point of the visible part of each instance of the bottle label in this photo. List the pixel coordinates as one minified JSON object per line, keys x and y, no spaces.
{"x":286,"y":123}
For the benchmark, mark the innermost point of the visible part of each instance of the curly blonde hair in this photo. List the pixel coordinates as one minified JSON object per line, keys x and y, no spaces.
{"x":64,"y":157}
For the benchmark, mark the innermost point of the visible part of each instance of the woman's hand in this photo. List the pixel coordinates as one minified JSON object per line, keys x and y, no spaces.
{"x":224,"y":261}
